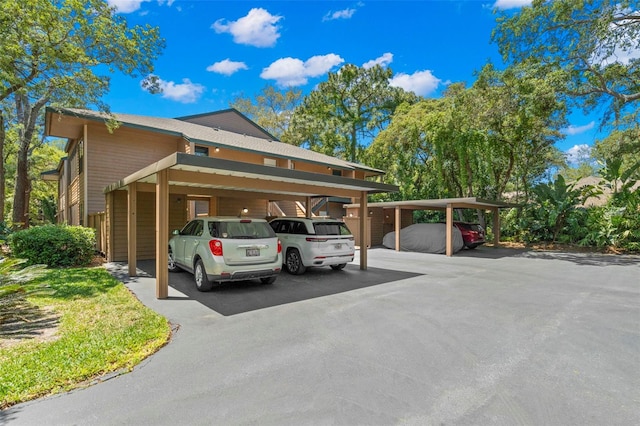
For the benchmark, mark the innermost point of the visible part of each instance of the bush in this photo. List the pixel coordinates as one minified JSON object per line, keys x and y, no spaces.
{"x":54,"y":245}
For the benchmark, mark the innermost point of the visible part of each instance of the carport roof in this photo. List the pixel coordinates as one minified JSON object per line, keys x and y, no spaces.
{"x":440,"y":204}
{"x":192,"y":172}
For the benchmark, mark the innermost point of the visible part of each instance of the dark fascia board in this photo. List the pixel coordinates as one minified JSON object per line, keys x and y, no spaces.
{"x":181,"y":159}
{"x":222,"y":111}
{"x":439,"y":203}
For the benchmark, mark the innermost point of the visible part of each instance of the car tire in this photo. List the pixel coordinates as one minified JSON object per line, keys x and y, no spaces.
{"x":338,"y":267}
{"x":200,"y":277}
{"x":294,"y":262}
{"x":172,"y":263}
{"x":268,"y":280}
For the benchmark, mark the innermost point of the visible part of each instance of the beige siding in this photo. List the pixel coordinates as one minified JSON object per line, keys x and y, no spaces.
{"x":245,"y":157}
{"x":233,"y":206}
{"x":146,"y":223}
{"x":119,"y":215}
{"x":112,"y":157}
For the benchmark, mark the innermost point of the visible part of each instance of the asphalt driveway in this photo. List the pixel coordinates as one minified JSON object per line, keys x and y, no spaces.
{"x":490,"y":336}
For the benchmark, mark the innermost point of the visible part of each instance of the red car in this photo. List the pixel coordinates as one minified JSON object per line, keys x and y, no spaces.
{"x":472,"y":234}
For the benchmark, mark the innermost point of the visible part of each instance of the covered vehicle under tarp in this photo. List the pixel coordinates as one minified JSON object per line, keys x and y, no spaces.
{"x":424,"y":238}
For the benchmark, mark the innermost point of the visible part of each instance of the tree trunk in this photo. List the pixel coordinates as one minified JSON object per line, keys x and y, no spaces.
{"x":27,"y":116}
{"x":354,"y":145}
{"x":2,"y":168}
{"x":20,"y":197}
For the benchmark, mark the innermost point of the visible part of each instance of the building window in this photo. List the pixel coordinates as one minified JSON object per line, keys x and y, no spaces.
{"x":270,"y":162}
{"x":337,"y":172}
{"x":201,"y":151}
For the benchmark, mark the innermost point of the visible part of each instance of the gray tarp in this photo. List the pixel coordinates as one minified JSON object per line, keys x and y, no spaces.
{"x":424,"y":238}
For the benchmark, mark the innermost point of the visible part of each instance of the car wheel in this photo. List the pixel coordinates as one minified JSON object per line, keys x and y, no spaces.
{"x":338,"y":267}
{"x":294,"y":262}
{"x":268,"y":280}
{"x":472,"y":246}
{"x":172,"y":263}
{"x":200,"y":276}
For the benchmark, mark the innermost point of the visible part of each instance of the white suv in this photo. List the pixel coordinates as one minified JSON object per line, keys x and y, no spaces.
{"x":217,"y":249}
{"x":314,"y":242}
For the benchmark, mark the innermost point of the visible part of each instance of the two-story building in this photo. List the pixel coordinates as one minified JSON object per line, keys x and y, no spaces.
{"x":147,"y":177}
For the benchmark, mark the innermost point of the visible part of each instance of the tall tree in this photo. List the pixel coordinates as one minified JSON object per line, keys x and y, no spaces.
{"x":271,"y":109}
{"x":53,"y":52}
{"x":522,"y":115}
{"x":481,"y":141}
{"x":347,"y":111}
{"x":590,"y":47}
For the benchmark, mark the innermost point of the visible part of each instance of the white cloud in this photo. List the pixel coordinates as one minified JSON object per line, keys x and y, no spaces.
{"x":129,"y":6}
{"x":227,"y":67}
{"x":339,"y":14}
{"x":185,"y":92}
{"x":126,"y":6}
{"x":383,"y":60}
{"x":576,"y":130}
{"x":421,"y":83}
{"x":578,"y":154}
{"x":257,"y":29}
{"x":290,"y":72}
{"x":511,"y":4}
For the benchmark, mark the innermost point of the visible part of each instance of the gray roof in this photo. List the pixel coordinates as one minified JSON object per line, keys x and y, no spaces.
{"x":217,"y":137}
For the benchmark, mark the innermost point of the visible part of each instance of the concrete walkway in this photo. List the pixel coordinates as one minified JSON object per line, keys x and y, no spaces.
{"x":490,"y":336}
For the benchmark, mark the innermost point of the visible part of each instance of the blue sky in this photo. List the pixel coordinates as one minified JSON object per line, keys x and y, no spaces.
{"x":217,"y":50}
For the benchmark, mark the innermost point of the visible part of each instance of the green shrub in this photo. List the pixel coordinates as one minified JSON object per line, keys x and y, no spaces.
{"x":54,"y":245}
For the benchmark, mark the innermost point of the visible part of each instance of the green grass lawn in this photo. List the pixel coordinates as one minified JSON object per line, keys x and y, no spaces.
{"x":85,"y":325}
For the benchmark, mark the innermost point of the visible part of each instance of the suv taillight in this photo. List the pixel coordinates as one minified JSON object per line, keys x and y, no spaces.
{"x":279,"y":246}
{"x":216,"y":247}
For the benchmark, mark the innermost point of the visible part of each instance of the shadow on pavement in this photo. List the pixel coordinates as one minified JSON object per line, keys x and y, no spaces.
{"x":244,"y":296}
{"x":579,"y":258}
{"x":587,"y":259}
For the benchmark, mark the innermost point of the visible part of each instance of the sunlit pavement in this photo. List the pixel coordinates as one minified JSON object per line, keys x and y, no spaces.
{"x":489,"y":336}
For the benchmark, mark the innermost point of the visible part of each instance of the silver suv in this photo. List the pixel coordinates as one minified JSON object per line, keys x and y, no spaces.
{"x":219,"y":249}
{"x":314,"y":242}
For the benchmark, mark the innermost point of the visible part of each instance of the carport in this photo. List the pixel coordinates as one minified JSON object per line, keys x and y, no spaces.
{"x":443,"y":204}
{"x":187,"y":174}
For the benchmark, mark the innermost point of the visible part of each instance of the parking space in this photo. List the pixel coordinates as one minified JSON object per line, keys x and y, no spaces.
{"x":244,"y":296}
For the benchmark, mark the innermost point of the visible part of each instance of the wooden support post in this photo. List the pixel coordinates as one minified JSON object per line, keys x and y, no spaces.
{"x":308,"y":207}
{"x":398,"y":226}
{"x":162,"y":234}
{"x":364,"y":219}
{"x":449,"y":230}
{"x":132,"y":227}
{"x":213,"y":206}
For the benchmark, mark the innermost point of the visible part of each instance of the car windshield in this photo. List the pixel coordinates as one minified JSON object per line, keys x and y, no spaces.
{"x":331,"y":228}
{"x":241,"y":230}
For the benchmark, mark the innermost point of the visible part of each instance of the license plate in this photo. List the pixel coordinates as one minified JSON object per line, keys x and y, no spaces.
{"x":338,"y":246}
{"x":253,"y":252}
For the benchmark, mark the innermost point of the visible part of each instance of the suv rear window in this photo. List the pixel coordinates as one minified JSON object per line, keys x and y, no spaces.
{"x":331,"y":228}
{"x":241,"y":230}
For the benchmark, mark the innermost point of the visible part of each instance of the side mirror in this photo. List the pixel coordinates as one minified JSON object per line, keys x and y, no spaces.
{"x":176,"y":232}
